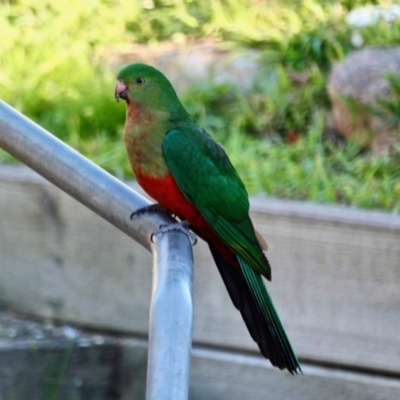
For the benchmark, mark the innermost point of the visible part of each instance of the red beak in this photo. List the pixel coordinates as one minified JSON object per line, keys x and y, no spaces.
{"x":121,"y":91}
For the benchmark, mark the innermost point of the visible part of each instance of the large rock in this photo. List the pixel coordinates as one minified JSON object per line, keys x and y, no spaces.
{"x":355,"y":87}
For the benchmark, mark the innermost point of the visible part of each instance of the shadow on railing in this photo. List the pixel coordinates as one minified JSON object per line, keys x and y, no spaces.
{"x":171,"y":311}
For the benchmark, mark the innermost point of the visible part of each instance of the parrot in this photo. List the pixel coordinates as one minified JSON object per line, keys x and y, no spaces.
{"x":189,"y":175}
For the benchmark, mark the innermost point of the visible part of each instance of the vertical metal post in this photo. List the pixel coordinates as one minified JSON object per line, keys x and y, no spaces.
{"x":171,"y":318}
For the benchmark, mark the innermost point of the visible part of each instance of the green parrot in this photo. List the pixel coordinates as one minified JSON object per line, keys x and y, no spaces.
{"x":189,"y":174}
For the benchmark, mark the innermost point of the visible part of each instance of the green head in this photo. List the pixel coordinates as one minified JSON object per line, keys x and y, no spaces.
{"x":141,"y":84}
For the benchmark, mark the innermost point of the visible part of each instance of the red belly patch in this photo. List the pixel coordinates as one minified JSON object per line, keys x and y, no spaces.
{"x":167,"y":193}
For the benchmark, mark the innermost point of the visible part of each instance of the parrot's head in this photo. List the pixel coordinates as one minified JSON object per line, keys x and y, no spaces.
{"x":145,"y":86}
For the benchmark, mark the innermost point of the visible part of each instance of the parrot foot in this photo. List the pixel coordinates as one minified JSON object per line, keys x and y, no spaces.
{"x":182,"y":226}
{"x":151,"y":208}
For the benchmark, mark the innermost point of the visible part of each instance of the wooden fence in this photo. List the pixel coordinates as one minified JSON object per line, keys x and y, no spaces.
{"x":336,"y":285}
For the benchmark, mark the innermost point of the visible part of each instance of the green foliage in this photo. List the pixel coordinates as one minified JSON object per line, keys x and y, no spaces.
{"x":50,"y":69}
{"x":390,"y":108}
{"x":54,"y":67}
{"x":351,"y":4}
{"x":311,"y":169}
{"x":274,"y":105}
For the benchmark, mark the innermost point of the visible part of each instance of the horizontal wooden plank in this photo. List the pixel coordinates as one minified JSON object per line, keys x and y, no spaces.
{"x":335,"y":281}
{"x":41,"y":360}
{"x":221,"y":375}
{"x":326,"y":213}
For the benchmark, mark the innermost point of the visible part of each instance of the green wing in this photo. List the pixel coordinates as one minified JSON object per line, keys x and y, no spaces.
{"x":207,"y":178}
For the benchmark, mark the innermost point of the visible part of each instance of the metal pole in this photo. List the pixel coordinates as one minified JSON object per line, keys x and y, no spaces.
{"x":171,"y":308}
{"x":171,"y":319}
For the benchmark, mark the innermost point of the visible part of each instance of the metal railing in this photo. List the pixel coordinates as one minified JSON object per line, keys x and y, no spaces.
{"x":171,"y":311}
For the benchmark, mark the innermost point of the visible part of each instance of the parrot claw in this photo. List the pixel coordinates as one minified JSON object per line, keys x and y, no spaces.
{"x":151,"y":208}
{"x":178,"y":226}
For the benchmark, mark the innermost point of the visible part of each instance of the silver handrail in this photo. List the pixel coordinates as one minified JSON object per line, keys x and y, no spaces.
{"x":171,"y":315}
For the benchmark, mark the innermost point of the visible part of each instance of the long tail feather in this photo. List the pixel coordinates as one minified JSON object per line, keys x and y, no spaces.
{"x":250,"y":297}
{"x":284,"y":356}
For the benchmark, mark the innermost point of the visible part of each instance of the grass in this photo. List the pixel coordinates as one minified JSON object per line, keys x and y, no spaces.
{"x":53,"y":68}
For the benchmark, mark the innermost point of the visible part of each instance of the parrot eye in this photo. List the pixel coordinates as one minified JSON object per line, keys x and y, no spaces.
{"x":140,"y":80}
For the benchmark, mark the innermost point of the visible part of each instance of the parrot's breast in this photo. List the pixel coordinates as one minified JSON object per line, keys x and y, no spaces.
{"x":145,"y":153}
